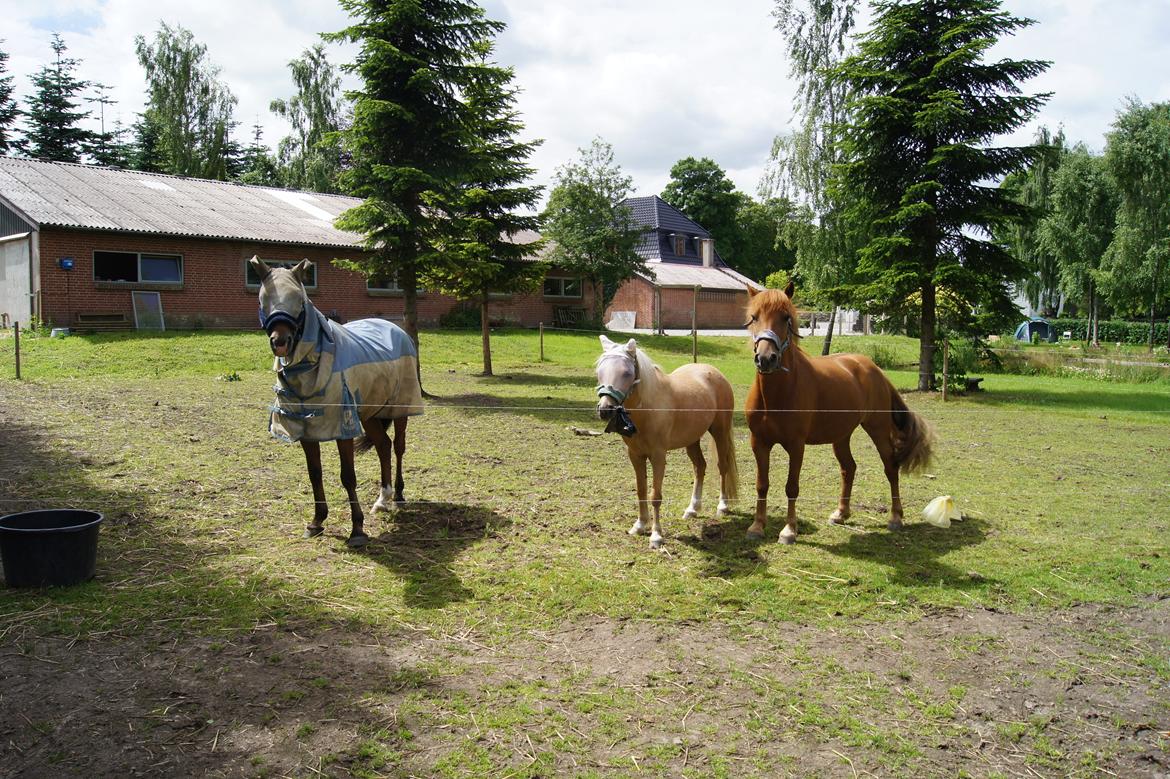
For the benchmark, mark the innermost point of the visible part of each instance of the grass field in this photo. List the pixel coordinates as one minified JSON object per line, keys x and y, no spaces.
{"x":505,"y":624}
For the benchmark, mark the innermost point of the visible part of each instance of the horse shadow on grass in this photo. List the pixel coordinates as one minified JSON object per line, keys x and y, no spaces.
{"x":913,"y":552}
{"x":544,"y":408}
{"x":420,"y":543}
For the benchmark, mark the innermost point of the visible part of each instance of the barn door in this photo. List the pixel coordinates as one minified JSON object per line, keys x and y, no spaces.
{"x":16,"y":280}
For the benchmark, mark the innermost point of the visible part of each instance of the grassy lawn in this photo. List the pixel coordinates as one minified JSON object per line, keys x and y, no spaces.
{"x":516,"y":528}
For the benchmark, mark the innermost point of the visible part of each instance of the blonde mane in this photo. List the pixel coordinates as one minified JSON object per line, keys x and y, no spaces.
{"x":772,"y":301}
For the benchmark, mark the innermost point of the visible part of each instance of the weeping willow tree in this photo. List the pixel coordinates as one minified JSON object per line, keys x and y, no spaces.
{"x":817,"y":34}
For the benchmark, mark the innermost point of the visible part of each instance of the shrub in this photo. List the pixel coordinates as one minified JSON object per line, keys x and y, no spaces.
{"x":1113,"y":331}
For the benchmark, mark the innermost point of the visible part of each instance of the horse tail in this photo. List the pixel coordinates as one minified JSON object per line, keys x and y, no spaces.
{"x":363,"y":442}
{"x":728,"y":470}
{"x":912,"y":435}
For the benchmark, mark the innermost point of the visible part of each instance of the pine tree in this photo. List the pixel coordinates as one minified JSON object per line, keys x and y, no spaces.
{"x":259,"y":166}
{"x":108,"y":147}
{"x":52,"y":118}
{"x":8,"y":110}
{"x":487,"y":245}
{"x":412,"y":134}
{"x":919,"y":160}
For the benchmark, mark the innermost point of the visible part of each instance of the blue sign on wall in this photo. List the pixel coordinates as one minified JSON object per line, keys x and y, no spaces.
{"x":66,"y":263}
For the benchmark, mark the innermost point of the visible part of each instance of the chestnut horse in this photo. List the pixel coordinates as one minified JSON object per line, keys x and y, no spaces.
{"x":655,"y":413}
{"x":798,"y":400}
{"x":334,"y":383}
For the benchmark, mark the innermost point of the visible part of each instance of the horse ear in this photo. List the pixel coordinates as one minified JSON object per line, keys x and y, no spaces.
{"x":791,"y":288}
{"x":301,"y":270}
{"x":606,"y":343}
{"x":752,"y":291}
{"x":258,"y":265}
{"x":632,"y":346}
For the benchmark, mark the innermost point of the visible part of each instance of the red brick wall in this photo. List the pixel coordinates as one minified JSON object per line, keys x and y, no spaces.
{"x":213,"y":293}
{"x":715,"y":309}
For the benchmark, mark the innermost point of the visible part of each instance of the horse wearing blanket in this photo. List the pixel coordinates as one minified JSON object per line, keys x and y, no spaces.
{"x":334,"y":383}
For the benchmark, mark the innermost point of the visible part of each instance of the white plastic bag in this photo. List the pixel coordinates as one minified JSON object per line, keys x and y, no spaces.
{"x":940,"y":511}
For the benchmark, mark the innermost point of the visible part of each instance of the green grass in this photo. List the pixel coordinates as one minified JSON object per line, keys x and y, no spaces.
{"x":517,"y":526}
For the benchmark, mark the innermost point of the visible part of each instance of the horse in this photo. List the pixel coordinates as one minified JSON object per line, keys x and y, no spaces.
{"x":334,"y":383}
{"x":797,"y":400}
{"x":655,"y":413}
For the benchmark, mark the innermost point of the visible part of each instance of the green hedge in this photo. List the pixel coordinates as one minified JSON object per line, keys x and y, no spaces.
{"x":1113,"y":331}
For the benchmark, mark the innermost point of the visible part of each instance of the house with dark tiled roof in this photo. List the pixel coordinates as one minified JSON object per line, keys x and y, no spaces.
{"x":686,"y":274}
{"x":89,"y":247}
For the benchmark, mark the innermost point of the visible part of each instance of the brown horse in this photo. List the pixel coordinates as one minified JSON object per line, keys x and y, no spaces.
{"x":655,"y":413}
{"x":798,"y":400}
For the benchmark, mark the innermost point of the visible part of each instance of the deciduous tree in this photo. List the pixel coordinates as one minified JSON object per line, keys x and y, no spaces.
{"x":701,"y":190}
{"x":187,"y":104}
{"x":310,"y":156}
{"x":593,"y":232}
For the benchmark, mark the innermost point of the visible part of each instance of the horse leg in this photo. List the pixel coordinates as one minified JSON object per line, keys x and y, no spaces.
{"x":763,"y":453}
{"x":357,"y":536}
{"x":879,"y":432}
{"x":639,"y":463}
{"x":312,"y":451}
{"x":399,"y":450}
{"x":695,"y":452}
{"x":848,"y":471}
{"x":376,"y":434}
{"x":658,"y":465}
{"x":792,"y":490}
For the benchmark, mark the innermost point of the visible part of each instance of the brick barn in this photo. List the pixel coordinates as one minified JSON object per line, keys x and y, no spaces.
{"x":95,"y":248}
{"x":687,"y":272}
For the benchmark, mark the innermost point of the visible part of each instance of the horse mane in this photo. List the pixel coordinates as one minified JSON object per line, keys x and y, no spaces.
{"x":773,"y":301}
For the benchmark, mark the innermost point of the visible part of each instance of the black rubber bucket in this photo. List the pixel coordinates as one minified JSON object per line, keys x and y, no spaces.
{"x":49,"y":547}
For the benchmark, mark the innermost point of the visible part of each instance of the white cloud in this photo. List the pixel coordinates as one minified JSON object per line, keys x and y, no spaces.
{"x":659,"y":79}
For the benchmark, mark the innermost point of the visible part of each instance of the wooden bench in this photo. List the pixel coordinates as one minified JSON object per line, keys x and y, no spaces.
{"x":103,"y":321}
{"x":568,"y":316}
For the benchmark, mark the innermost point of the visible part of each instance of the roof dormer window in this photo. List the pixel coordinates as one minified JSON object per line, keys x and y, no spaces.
{"x":680,"y":244}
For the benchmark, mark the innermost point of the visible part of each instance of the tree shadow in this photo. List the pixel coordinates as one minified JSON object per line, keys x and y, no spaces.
{"x":36,"y":472}
{"x":421,"y":543}
{"x":522,"y":378}
{"x":545,"y":408}
{"x":1078,"y":400}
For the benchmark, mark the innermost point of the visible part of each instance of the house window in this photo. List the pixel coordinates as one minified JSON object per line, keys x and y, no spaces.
{"x":387,"y":285}
{"x":561,"y":287}
{"x":680,"y":245}
{"x":252,"y":280}
{"x":138,"y":268}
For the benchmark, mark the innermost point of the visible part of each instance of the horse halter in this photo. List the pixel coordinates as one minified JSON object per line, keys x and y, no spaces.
{"x":781,"y":346}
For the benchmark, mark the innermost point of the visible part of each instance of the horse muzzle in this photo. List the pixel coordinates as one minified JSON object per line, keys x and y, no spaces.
{"x":767,"y":363}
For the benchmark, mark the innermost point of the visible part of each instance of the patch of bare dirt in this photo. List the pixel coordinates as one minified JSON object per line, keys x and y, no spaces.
{"x":1075,"y":692}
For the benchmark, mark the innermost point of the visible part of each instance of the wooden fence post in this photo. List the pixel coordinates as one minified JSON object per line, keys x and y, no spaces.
{"x":542,"y":341}
{"x":16,"y":327}
{"x":695,"y":326}
{"x":946,"y":355}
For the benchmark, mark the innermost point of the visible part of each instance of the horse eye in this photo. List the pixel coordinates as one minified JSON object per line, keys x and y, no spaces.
{"x":751,"y":321}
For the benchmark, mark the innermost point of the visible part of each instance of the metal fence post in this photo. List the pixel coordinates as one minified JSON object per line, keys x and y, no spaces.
{"x":16,"y":327}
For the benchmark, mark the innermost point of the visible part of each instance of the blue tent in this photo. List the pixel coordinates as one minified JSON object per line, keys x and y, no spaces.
{"x":1036,"y":327}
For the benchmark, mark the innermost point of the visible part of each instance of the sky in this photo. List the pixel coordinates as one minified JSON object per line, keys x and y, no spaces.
{"x":660,"y":80}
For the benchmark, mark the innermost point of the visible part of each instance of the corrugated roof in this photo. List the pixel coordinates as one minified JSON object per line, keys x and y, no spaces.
{"x":91,"y":197}
{"x":670,"y":274}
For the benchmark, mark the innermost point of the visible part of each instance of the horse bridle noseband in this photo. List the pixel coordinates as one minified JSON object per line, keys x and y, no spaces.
{"x":768,"y":335}
{"x":297,"y":324}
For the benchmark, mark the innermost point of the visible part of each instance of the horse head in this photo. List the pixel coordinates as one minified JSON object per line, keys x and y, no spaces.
{"x":283,"y":303}
{"x":773,"y":326}
{"x":617,"y":375}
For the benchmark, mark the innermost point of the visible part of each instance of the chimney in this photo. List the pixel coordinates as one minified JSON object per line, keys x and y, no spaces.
{"x":707,"y":251}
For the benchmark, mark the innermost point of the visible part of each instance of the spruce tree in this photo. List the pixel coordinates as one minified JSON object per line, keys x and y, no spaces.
{"x":919,"y":165}
{"x":412,"y":134}
{"x":8,"y":110}
{"x":53,"y":118}
{"x":485,"y":246}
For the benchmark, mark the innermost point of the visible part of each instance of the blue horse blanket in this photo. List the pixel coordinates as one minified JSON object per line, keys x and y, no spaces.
{"x":339,"y":375}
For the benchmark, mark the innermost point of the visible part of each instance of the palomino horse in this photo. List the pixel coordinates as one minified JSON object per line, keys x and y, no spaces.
{"x":334,"y":382}
{"x":798,"y":400}
{"x":656,"y":413}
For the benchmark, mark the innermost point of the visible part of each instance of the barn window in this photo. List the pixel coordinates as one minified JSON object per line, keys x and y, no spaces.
{"x":252,"y":280}
{"x":387,"y":285}
{"x":562,"y":287}
{"x":138,"y":268}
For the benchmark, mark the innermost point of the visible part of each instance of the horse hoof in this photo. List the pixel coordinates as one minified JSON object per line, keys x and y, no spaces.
{"x":313,"y":531}
{"x":753,"y":535}
{"x":837,"y":518}
{"x":690,"y":514}
{"x":656,"y":542}
{"x":357,"y":541}
{"x":787,"y":539}
{"x":894,"y":524}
